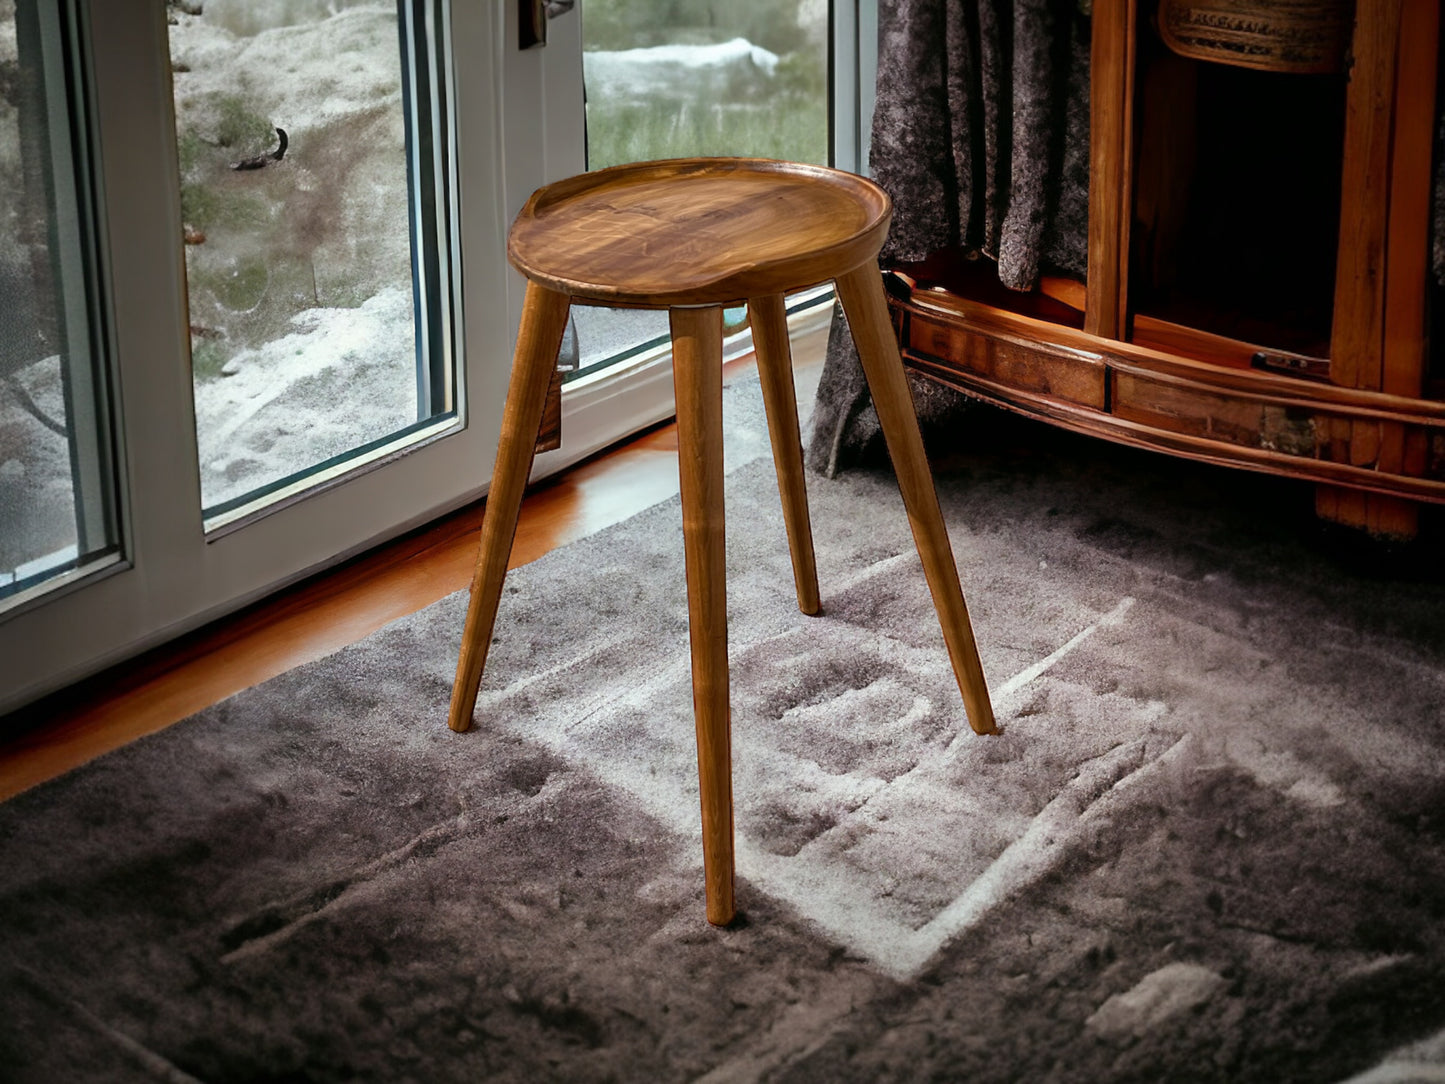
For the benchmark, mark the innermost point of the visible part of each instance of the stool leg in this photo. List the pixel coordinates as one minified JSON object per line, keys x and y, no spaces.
{"x":775,"y":368}
{"x":544,"y":316}
{"x":861,"y":292}
{"x":697,"y":381}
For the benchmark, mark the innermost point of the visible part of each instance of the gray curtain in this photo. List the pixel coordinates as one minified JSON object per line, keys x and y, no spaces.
{"x":981,"y":138}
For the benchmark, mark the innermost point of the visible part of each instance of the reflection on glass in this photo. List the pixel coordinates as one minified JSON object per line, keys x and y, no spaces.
{"x":292,"y":122}
{"x":57,"y":507}
{"x":682,"y":78}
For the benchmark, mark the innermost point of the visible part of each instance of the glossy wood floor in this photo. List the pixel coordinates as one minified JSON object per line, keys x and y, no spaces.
{"x":342,"y":605}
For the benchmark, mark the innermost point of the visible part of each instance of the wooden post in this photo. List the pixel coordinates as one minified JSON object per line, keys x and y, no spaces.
{"x":1377,"y":337}
{"x":1111,"y":122}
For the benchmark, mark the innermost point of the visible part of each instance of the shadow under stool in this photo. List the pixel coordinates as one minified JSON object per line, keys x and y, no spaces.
{"x":694,"y":236}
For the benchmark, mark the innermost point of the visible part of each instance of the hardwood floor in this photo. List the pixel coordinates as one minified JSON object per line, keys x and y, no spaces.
{"x":342,"y":605}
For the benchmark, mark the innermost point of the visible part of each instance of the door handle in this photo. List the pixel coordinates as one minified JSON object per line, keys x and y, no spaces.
{"x":533,"y":22}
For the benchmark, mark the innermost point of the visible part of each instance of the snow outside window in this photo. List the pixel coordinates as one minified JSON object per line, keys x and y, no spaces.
{"x":317,"y":301}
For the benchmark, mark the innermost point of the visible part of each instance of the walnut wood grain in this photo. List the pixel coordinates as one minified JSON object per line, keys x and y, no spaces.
{"x":1172,"y":338}
{"x":1051,"y":339}
{"x":690,"y":235}
{"x":1230,"y":416}
{"x":1111,"y":121}
{"x":864,"y":303}
{"x":1356,"y":336}
{"x":697,"y":381}
{"x":1408,"y":229}
{"x":708,"y":231}
{"x":544,"y":318}
{"x":1406,"y":252}
{"x":1377,"y":335}
{"x":769,"y":318}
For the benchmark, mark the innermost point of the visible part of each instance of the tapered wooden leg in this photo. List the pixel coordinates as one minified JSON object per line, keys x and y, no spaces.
{"x":543,"y":318}
{"x":769,"y":319}
{"x":697,"y":380}
{"x":861,"y":292}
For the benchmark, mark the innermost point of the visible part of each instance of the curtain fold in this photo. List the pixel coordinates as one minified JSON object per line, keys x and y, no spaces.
{"x":981,"y":138}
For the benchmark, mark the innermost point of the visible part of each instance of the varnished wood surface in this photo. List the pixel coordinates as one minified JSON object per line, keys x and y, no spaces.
{"x":864,"y":303}
{"x":549,"y":437}
{"x":335,"y":608}
{"x":697,"y":379}
{"x":1377,"y":333}
{"x":775,"y":371}
{"x":1402,"y":364}
{"x":688,"y":235}
{"x":544,"y":318}
{"x":697,"y":231}
{"x":1004,"y":325}
{"x":1408,"y":233}
{"x":1362,"y":289}
{"x":1165,"y":402}
{"x":1357,"y":334}
{"x":1171,"y":338}
{"x":1111,"y":121}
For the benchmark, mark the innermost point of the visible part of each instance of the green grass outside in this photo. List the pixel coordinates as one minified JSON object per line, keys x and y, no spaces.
{"x":792,"y":127}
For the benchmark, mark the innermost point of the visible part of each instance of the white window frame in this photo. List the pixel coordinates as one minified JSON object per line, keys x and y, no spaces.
{"x":518,"y":124}
{"x":174,"y":575}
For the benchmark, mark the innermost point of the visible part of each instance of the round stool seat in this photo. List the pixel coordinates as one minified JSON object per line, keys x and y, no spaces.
{"x":697,"y":231}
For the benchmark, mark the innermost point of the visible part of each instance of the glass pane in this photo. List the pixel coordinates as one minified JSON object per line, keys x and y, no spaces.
{"x":683,"y":78}
{"x":304,"y":135}
{"x":57,"y":482}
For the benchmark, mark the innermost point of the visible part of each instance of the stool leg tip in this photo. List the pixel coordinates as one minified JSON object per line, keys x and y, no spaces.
{"x":728,"y":919}
{"x":459,"y":716}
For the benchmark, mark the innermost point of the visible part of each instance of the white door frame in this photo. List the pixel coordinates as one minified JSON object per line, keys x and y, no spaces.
{"x":174,"y":577}
{"x":518,"y":120}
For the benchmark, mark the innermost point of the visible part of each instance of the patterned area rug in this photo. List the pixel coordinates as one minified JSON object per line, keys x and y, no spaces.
{"x":1205,"y":846}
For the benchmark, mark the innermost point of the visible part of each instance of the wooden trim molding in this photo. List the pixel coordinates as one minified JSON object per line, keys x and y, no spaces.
{"x":1134,"y":395}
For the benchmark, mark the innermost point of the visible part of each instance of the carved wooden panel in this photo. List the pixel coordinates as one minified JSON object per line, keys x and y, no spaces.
{"x":1246,"y":418}
{"x":1271,"y":35}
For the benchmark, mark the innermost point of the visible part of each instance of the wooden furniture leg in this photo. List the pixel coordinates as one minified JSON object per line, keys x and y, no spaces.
{"x":861,"y":292}
{"x":697,"y":381}
{"x":769,"y":318}
{"x":544,"y":316}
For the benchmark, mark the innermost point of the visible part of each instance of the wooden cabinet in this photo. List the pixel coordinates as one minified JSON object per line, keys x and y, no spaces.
{"x":1258,"y":286}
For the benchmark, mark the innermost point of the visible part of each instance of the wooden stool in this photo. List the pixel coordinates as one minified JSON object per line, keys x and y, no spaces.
{"x":692,"y":236}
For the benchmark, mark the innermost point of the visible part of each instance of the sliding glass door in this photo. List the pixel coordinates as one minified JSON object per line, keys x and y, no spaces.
{"x":58,"y":519}
{"x":255,"y":314}
{"x":232,"y":356}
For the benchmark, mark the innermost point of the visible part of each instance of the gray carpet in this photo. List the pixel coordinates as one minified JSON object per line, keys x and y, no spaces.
{"x":1206,"y":846}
